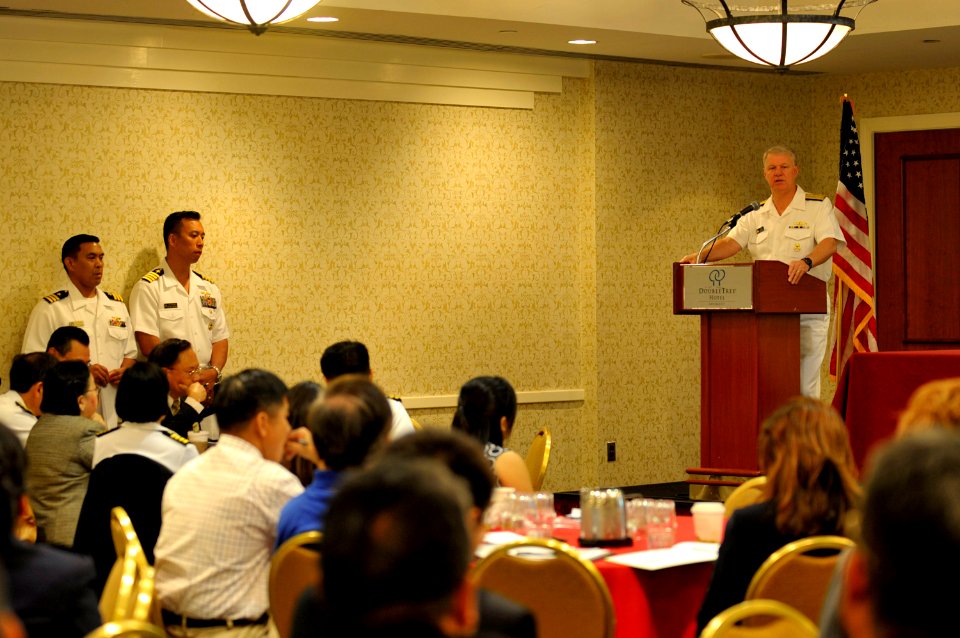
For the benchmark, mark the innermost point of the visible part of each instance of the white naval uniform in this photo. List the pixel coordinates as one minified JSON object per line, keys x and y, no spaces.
{"x":103,"y":317}
{"x":15,"y":415}
{"x":161,"y":307}
{"x":807,"y":221}
{"x":151,"y":440}
{"x":401,"y":425}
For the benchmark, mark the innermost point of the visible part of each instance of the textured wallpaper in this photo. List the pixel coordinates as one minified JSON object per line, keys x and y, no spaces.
{"x":454,"y":241}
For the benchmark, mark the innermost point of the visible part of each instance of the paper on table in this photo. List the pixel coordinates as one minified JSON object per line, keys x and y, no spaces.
{"x":680,"y":554}
{"x":492,"y":540}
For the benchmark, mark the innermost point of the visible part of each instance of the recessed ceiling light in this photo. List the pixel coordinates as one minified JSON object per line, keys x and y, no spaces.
{"x":323,"y":19}
{"x":581,"y":41}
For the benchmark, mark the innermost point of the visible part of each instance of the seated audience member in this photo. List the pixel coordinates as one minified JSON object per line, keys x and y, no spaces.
{"x":935,"y":404}
{"x":395,"y":555}
{"x":60,"y":450}
{"x":346,"y":425}
{"x":220,"y":515}
{"x":20,"y":407}
{"x":69,"y":343}
{"x":302,"y":396}
{"x":464,"y":457}
{"x":897,"y":580}
{"x":499,"y":616}
{"x":178,"y":360}
{"x":131,"y":467}
{"x":486,"y":410}
{"x":352,"y":357}
{"x":811,"y":490}
{"x":50,"y":589}
{"x":142,"y":407}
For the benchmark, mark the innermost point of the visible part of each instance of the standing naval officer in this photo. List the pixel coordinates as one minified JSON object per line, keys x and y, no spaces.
{"x":174,"y":301}
{"x":102,"y":315}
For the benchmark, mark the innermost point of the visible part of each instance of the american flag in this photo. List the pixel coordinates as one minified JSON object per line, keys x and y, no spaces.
{"x":854,"y":325}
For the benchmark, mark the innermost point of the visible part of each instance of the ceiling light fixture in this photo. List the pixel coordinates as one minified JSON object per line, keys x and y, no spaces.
{"x":778,"y":33}
{"x":323,"y":19}
{"x":256,"y":15}
{"x":581,"y":41}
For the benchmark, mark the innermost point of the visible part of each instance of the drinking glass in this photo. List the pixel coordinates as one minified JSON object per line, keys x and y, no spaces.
{"x":661,"y":524}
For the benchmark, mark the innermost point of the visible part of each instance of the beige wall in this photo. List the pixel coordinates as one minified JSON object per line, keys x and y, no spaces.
{"x":454,"y":241}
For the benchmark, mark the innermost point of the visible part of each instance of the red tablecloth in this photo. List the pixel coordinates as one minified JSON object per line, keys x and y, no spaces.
{"x":875,"y":387}
{"x":654,"y":604}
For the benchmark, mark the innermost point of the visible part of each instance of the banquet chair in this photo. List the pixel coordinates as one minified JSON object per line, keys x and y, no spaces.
{"x":767,"y":619}
{"x":565,"y":593}
{"x":799,"y":573}
{"x":538,"y":456}
{"x":749,"y":492}
{"x":294,"y":567}
{"x":128,"y":594}
{"x":127,"y":629}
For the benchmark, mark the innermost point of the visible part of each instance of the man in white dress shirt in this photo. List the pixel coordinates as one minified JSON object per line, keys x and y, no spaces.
{"x":100,"y":314}
{"x":174,"y":301}
{"x":220,"y":515}
{"x":352,"y":357}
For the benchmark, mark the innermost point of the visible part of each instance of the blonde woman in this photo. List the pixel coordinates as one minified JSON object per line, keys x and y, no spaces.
{"x":811,"y":489}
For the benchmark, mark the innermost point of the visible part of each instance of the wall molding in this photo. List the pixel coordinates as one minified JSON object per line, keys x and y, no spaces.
{"x":180,"y":58}
{"x":425,"y":402}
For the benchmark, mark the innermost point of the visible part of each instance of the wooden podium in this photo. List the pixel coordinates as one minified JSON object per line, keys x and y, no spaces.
{"x":749,"y":349}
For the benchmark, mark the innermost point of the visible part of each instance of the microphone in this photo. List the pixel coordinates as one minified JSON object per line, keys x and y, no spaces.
{"x":749,"y":208}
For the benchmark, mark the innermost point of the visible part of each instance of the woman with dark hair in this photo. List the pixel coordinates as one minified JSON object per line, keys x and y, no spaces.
{"x":60,"y":450}
{"x":142,"y":408}
{"x":811,"y":490}
{"x":486,"y":410}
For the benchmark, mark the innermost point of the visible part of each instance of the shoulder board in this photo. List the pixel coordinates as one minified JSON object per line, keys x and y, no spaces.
{"x":814,"y":197}
{"x":114,"y":296}
{"x":153,"y":275}
{"x":176,"y":437}
{"x":57,"y":296}
{"x":395,"y":398}
{"x":202,"y":277}
{"x":106,"y":432}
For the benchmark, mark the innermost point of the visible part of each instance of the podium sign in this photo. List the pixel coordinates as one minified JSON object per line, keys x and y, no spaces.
{"x":716,"y":287}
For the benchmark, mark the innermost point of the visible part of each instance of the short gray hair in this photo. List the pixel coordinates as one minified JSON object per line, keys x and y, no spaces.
{"x":778,"y":150}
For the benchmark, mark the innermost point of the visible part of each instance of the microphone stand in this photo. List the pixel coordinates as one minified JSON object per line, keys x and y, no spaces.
{"x":725,"y":227}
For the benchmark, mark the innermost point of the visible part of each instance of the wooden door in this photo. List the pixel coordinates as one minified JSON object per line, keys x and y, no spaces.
{"x":918,"y":239}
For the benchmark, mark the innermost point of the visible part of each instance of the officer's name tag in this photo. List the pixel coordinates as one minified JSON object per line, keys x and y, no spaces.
{"x":170,"y":305}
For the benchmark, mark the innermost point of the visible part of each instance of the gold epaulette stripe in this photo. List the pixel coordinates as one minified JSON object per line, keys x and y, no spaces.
{"x":176,"y":437}
{"x":153,"y":275}
{"x":57,"y":296}
{"x":395,"y":398}
{"x":114,"y":296}
{"x":202,"y":277}
{"x":811,"y":197}
{"x":99,"y":434}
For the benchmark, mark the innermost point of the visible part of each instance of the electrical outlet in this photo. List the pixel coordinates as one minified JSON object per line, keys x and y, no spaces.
{"x":611,"y":451}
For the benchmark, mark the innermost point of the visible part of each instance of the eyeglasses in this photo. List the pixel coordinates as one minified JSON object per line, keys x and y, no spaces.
{"x":192,"y":372}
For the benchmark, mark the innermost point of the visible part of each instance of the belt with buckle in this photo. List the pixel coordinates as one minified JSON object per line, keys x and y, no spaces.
{"x":177,"y":620}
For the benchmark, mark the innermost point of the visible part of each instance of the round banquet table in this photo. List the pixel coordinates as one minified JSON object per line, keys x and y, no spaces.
{"x":652,"y":604}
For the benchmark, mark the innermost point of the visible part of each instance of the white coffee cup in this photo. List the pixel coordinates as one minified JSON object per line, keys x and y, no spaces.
{"x":200,"y":439}
{"x":708,"y":521}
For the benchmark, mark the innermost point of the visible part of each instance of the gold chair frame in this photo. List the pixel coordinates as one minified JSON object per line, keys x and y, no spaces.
{"x":796,"y":555}
{"x":533,"y":599}
{"x":128,"y":593}
{"x":127,"y":629}
{"x":282,"y":606}
{"x":787,"y":623}
{"x":538,"y":456}
{"x":747,"y":493}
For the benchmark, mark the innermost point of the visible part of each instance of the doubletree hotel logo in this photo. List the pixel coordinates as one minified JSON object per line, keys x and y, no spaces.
{"x":716,"y":276}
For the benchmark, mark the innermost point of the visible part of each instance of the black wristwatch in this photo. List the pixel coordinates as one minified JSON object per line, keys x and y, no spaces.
{"x":808,"y":262}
